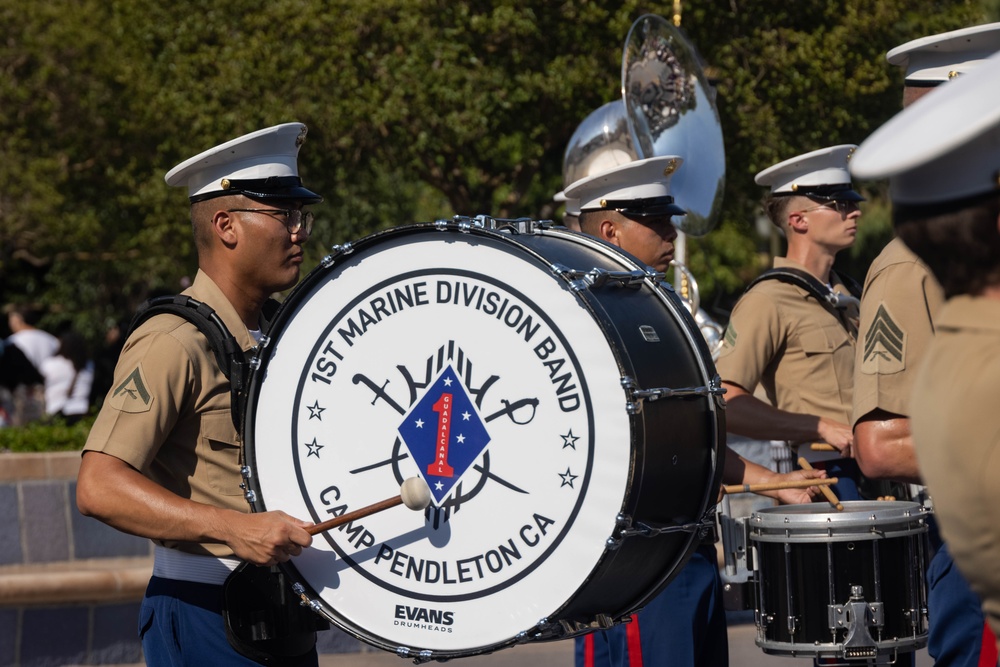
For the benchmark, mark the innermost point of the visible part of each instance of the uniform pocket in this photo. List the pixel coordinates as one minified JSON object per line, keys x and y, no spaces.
{"x":830,"y":360}
{"x":220,"y":452}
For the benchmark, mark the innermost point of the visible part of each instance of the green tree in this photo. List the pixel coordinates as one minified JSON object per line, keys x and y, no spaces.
{"x":418,"y":109}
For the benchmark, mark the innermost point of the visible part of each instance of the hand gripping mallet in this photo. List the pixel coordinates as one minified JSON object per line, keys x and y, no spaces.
{"x":413,"y":493}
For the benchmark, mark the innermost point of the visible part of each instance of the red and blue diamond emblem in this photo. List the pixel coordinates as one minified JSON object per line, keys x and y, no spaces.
{"x":444,"y":433}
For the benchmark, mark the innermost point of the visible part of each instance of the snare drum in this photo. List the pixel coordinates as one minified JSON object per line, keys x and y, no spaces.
{"x":847,"y":585}
{"x":557,"y":399}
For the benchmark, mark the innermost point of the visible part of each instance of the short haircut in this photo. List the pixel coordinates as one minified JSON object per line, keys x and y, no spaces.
{"x":959,"y":241}
{"x":776,"y":209}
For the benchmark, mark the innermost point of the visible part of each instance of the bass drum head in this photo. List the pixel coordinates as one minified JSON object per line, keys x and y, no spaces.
{"x":462,"y":359}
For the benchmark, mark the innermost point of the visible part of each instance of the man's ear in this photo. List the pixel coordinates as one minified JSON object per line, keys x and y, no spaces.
{"x":224,"y":226}
{"x":797,"y":222}
{"x":608,"y":231}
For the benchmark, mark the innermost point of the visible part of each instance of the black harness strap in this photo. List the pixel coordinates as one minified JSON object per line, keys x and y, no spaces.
{"x":230,"y":357}
{"x":812,"y":285}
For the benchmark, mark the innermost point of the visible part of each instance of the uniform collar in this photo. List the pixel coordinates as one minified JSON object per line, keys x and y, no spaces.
{"x":204,"y":289}
{"x":835,"y":282}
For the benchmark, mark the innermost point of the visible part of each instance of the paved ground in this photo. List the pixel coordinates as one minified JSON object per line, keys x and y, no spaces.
{"x":742,"y":653}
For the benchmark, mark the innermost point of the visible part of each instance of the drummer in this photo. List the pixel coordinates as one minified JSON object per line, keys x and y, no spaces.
{"x":941,"y":156}
{"x":792,"y":333}
{"x":630,"y":206}
{"x":900,"y":300}
{"x":162,"y":459}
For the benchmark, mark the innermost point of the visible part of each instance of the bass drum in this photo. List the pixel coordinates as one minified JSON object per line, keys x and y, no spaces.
{"x":556,"y":397}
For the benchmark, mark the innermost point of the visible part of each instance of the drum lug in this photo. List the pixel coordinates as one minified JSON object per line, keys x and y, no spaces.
{"x":418,"y":657}
{"x":637,"y":396}
{"x":546,"y":630}
{"x":581,"y":280}
{"x":248,"y":493}
{"x":855,"y":617}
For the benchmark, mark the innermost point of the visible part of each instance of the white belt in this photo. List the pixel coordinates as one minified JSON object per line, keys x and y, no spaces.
{"x":174,"y":564}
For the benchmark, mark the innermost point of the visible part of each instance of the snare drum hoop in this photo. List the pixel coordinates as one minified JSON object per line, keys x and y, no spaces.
{"x":285,"y":314}
{"x":819,"y":522}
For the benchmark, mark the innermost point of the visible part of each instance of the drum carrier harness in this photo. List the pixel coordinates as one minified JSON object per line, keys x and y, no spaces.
{"x":811,"y":284}
{"x":265,"y":620}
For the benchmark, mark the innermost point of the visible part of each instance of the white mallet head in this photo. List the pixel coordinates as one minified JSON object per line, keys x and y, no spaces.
{"x":416,"y":495}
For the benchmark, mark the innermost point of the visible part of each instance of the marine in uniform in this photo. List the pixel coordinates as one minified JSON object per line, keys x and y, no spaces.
{"x":163,"y":458}
{"x":793,"y":337}
{"x":630,"y":206}
{"x":942,"y":158}
{"x":900,"y":301}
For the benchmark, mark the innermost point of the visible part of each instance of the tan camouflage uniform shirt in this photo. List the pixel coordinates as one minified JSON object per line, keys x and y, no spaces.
{"x":168,"y":412}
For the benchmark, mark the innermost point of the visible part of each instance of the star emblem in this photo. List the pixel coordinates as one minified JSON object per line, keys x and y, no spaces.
{"x":315,"y":411}
{"x":447,"y":382}
{"x":419,"y":423}
{"x":439,"y":486}
{"x":466,"y":416}
{"x":567,"y":479}
{"x":569,"y":440}
{"x":460,"y":439}
{"x":314,"y":448}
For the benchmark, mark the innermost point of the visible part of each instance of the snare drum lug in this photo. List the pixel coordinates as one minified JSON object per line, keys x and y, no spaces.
{"x":250,"y":496}
{"x":246,"y":472}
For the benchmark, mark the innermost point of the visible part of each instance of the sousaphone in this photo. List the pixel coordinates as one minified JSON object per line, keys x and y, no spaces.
{"x":667,"y":108}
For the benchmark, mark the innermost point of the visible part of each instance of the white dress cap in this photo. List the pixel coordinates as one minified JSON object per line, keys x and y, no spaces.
{"x":935,"y":59}
{"x":945,"y":148}
{"x":572,"y":205}
{"x":820,"y":174}
{"x":640,"y":188}
{"x":262,"y":165}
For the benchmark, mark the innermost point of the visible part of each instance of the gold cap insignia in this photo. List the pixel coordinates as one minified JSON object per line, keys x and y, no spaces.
{"x":225,"y":184}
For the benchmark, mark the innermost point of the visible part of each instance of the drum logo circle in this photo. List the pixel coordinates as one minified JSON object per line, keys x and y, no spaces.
{"x":472,"y":385}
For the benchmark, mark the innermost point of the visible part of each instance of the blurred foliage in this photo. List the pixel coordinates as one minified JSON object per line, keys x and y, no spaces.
{"x":417,"y":109}
{"x":50,"y":436}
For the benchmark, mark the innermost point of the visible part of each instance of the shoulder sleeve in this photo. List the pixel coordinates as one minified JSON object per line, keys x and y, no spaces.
{"x":153,"y":379}
{"x":895,"y":328}
{"x":752,"y":338}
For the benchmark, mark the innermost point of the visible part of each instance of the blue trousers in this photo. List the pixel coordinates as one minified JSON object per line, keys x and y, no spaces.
{"x":180,"y":624}
{"x":683,"y":626}
{"x":957,"y":634}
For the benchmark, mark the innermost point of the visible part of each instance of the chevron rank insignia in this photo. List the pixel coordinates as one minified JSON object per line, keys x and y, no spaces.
{"x":730,"y":337}
{"x":885,"y":345}
{"x":131,"y":394}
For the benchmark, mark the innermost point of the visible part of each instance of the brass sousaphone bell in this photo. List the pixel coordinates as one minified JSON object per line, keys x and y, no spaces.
{"x":667,"y":108}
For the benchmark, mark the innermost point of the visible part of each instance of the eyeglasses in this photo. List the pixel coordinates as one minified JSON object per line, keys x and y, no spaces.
{"x":843,"y":206}
{"x":296,"y":220}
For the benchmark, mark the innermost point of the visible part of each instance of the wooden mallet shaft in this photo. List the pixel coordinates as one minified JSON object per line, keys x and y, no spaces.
{"x":830,"y":496}
{"x":778,"y":486}
{"x":414,"y":493}
{"x":356,"y":514}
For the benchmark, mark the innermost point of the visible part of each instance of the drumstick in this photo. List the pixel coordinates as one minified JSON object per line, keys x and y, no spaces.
{"x":413,"y":493}
{"x":777,"y":486}
{"x":822,"y":447}
{"x":825,"y":489}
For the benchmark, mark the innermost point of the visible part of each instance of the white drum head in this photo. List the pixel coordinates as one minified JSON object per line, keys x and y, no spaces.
{"x":462,"y":362}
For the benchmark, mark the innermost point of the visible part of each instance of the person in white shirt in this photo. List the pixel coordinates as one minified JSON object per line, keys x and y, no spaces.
{"x":68,"y":374}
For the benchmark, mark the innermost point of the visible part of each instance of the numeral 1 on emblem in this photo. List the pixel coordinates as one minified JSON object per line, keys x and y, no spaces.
{"x":440,"y":467}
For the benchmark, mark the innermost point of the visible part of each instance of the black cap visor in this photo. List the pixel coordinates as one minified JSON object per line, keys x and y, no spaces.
{"x":274,"y":188}
{"x":842,"y":192}
{"x":642,"y":208}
